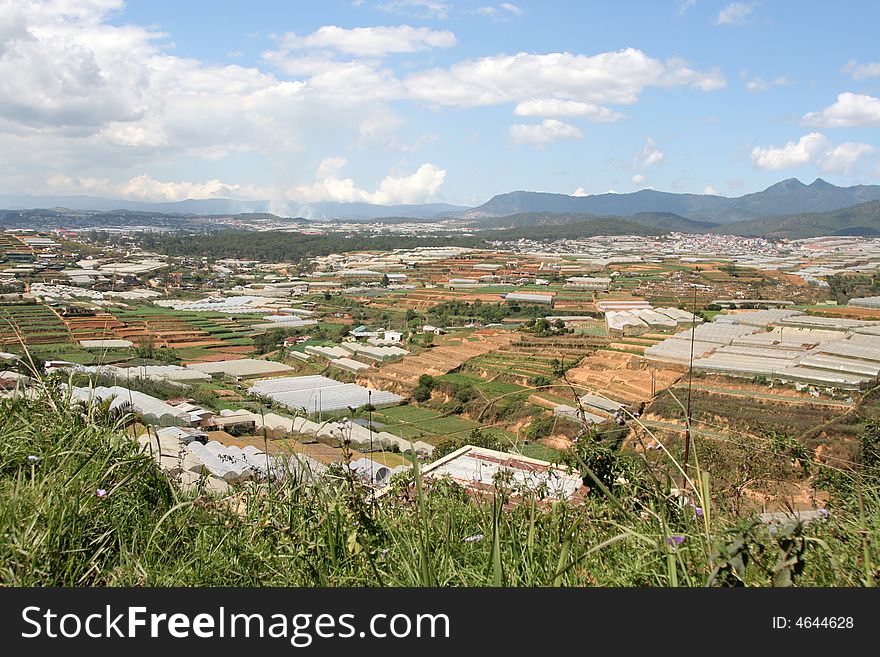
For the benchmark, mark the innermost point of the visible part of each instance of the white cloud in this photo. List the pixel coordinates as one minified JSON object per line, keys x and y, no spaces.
{"x":609,"y":77}
{"x":330,"y":167}
{"x":862,"y":71}
{"x":758,"y":84}
{"x":147,"y":189}
{"x":793,"y":154}
{"x":813,"y":148}
{"x":850,"y":110}
{"x":649,"y":155}
{"x":419,"y":8}
{"x":415,"y":188}
{"x":684,"y":5}
{"x":555,"y":107}
{"x":546,"y":132}
{"x":504,"y":11}
{"x":370,"y":41}
{"x":710,"y":191}
{"x":580,"y":191}
{"x":735,"y":13}
{"x":638,"y":179}
{"x":844,"y":158}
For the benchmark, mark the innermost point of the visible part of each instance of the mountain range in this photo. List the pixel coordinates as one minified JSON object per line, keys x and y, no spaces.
{"x":789,"y":207}
{"x":787,"y":197}
{"x":323,"y":211}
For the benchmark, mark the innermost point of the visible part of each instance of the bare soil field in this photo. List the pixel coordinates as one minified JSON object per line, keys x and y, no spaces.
{"x":453,"y":351}
{"x":623,"y":377}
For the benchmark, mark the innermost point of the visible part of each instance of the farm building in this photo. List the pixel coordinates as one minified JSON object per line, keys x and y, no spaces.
{"x":588,"y":283}
{"x":106,"y":344}
{"x":319,"y":393}
{"x":830,"y":355}
{"x":349,"y":364}
{"x":865,"y":302}
{"x":243,"y":368}
{"x":739,"y":303}
{"x":620,"y":305}
{"x":327,"y":352}
{"x":524,"y":297}
{"x":457,"y":283}
{"x":477,"y":469}
{"x":154,"y":411}
{"x":624,"y":323}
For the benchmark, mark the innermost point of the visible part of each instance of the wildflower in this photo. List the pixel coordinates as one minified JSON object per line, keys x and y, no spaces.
{"x":33,"y":459}
{"x":474,"y":538}
{"x":101,"y":492}
{"x":674,"y":540}
{"x":384,"y":552}
{"x":698,"y":512}
{"x":824,"y":513}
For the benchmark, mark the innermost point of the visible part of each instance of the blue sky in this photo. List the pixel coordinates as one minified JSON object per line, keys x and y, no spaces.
{"x":408,"y":101}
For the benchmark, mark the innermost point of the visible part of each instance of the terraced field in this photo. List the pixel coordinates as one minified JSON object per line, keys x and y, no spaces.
{"x":452,"y":352}
{"x":417,"y":423}
{"x":35,"y":323}
{"x":181,"y":330}
{"x":620,"y":376}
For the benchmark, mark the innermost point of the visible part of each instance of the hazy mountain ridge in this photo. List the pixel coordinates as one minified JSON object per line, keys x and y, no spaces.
{"x":784,"y":198}
{"x":326,"y":210}
{"x":666,"y":221}
{"x":862,"y":219}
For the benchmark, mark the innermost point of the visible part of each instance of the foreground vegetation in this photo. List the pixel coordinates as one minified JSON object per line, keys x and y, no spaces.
{"x":80,"y":506}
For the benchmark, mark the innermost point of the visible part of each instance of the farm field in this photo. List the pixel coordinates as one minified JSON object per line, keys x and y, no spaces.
{"x":417,"y":423}
{"x":35,"y":323}
{"x":447,"y":355}
{"x":621,"y":376}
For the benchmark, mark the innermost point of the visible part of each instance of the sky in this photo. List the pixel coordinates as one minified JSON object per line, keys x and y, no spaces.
{"x":413,"y":101}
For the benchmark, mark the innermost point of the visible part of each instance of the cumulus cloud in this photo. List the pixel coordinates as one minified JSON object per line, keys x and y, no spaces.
{"x":546,"y":132}
{"x":812,"y":148}
{"x":81,"y":91}
{"x":736,"y":13}
{"x":850,"y":110}
{"x":649,"y":155}
{"x":684,"y":5}
{"x":609,"y":77}
{"x":145,"y":188}
{"x":803,"y":151}
{"x":862,"y":71}
{"x":414,"y":188}
{"x":580,"y":191}
{"x":370,"y":41}
{"x":710,"y":191}
{"x":555,"y":107}
{"x":638,"y":179}
{"x":424,"y":183}
{"x":844,"y":158}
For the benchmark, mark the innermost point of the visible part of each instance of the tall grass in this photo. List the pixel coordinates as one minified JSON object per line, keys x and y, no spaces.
{"x":59,"y":530}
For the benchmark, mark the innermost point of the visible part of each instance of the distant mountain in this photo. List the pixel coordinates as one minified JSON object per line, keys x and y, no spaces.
{"x":863,"y":219}
{"x":225,"y":206}
{"x":60,"y":217}
{"x":663,"y":221}
{"x":787,"y":197}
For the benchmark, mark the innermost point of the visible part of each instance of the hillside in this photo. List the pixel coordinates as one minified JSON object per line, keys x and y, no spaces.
{"x":786,"y":197}
{"x":82,"y":507}
{"x":863,"y":219}
{"x":666,"y":221}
